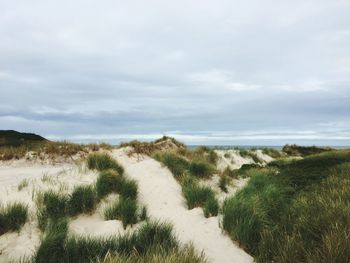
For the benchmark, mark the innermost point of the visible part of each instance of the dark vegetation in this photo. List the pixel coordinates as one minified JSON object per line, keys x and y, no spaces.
{"x":296,"y":150}
{"x":13,"y":217}
{"x":294,"y":211}
{"x":151,"y":238}
{"x":15,"y":138}
{"x":15,"y":145}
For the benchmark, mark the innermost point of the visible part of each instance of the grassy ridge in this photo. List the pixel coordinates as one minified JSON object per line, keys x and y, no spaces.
{"x":48,"y":148}
{"x":300,"y":213}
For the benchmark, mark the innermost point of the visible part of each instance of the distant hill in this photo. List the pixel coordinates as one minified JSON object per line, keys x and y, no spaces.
{"x":15,"y":138}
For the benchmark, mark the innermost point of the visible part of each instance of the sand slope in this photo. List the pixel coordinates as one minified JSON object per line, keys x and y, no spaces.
{"x":162,"y":195}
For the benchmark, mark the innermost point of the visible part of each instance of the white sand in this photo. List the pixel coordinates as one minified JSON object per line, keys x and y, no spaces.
{"x":162,"y":195}
{"x":15,"y":246}
{"x":233,"y":160}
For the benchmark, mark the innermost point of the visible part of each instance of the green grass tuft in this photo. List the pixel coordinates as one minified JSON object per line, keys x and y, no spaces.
{"x":123,"y":209}
{"x":55,"y":204}
{"x":101,"y":162}
{"x":176,"y":164}
{"x":108,"y":182}
{"x":13,"y":217}
{"x":201,"y":169}
{"x":82,"y":200}
{"x":128,"y":189}
{"x":200,"y":196}
{"x":52,"y":247}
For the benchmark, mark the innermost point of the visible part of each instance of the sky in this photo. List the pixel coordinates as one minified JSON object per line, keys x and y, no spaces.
{"x":222,"y":72}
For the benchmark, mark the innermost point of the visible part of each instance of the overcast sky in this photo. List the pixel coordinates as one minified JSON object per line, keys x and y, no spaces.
{"x":214,"y":72}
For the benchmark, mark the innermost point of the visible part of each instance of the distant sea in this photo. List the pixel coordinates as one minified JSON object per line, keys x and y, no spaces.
{"x":226,"y":147}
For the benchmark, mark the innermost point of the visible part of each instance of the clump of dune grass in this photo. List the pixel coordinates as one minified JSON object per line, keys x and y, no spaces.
{"x":128,"y":189}
{"x":108,"y":182}
{"x":102,"y":161}
{"x":175,"y":163}
{"x":55,"y":204}
{"x":13,"y":217}
{"x":186,"y":254}
{"x":201,"y":169}
{"x":276,"y":154}
{"x":200,"y":196}
{"x":52,"y":247}
{"x":24,"y":183}
{"x":228,"y":172}
{"x":299,"y":214}
{"x":124,"y":209}
{"x":150,"y":236}
{"x":82,"y":200}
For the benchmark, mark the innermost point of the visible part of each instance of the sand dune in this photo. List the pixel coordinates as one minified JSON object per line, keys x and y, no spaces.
{"x":162,"y":195}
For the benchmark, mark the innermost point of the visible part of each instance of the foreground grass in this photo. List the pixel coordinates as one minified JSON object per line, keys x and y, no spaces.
{"x":153,"y":239}
{"x":13,"y":217}
{"x":299,"y":214}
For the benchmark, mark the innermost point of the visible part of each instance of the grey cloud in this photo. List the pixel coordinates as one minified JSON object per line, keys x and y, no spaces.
{"x":69,"y":69}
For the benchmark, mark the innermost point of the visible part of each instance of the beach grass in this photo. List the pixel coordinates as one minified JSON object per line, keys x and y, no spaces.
{"x":82,"y":200}
{"x":200,"y":196}
{"x":124,"y":209}
{"x":13,"y":217}
{"x":150,"y":239}
{"x":298,"y":214}
{"x":103,"y":161}
{"x":175,"y":163}
{"x":108,"y":181}
{"x":201,"y":169}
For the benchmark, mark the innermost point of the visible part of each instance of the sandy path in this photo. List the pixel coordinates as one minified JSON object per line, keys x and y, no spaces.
{"x":12,"y":175}
{"x":162,"y":195}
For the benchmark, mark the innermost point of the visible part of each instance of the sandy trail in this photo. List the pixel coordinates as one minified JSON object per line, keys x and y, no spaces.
{"x":162,"y":195}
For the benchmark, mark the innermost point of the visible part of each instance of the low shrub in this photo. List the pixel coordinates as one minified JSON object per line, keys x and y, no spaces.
{"x":13,"y":217}
{"x":101,"y":162}
{"x":82,"y":200}
{"x":124,"y":209}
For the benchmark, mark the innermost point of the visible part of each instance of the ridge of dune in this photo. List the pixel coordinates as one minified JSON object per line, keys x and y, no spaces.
{"x":162,"y":194}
